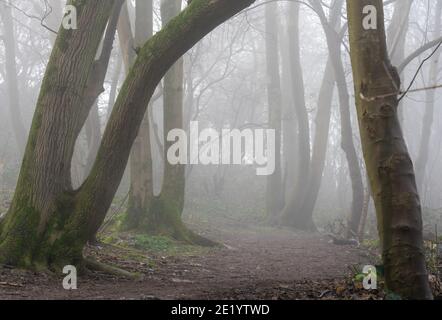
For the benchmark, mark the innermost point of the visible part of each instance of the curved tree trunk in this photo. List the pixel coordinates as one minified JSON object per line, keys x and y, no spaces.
{"x":48,"y":223}
{"x":388,"y":162}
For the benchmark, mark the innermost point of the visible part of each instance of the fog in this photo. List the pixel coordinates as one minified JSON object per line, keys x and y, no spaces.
{"x":264,"y":69}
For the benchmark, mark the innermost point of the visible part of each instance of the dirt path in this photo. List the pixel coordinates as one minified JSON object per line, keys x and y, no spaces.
{"x":256,"y":264}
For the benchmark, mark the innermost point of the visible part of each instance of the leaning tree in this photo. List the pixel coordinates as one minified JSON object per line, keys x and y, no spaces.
{"x":388,"y":162}
{"x":49,"y":222}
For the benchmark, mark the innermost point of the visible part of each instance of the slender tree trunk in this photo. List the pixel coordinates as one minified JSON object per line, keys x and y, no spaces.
{"x":430,"y":95}
{"x":397,"y":36}
{"x":388,"y":163}
{"x":347,"y":144}
{"x":93,"y":136}
{"x":141,"y":175}
{"x":291,"y":215}
{"x":48,"y":223}
{"x":322,"y":125}
{"x":274,"y":194}
{"x":164,"y":217}
{"x":11,"y":77}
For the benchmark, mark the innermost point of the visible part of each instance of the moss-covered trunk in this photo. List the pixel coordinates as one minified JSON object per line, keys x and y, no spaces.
{"x":48,"y":223}
{"x":31,"y":233}
{"x":388,"y":163}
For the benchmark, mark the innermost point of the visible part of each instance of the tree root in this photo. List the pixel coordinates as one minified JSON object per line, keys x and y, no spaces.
{"x":94,"y":265}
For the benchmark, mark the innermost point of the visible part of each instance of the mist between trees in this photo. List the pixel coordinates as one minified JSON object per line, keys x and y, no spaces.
{"x":306,"y":111}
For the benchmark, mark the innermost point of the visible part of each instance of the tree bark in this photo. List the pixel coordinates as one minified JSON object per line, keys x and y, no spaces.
{"x":48,"y":223}
{"x":388,"y":163}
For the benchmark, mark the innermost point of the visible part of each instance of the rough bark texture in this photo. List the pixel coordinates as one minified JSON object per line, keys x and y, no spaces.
{"x":36,"y":230}
{"x":388,"y":163}
{"x":48,"y":223}
{"x":274,"y":194}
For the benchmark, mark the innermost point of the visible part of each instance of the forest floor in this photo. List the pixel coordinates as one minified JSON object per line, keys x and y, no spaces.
{"x":254,"y":263}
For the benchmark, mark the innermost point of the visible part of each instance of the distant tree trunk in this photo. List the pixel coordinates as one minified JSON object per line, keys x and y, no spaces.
{"x":165,"y":213}
{"x":93,"y":137}
{"x":322,"y":125}
{"x":347,"y":144}
{"x":397,"y":36}
{"x":114,"y":86}
{"x":274,"y":194}
{"x":365,"y":209}
{"x":289,"y":125}
{"x":11,"y":77}
{"x":141,"y":175}
{"x":427,"y":125}
{"x":291,"y":215}
{"x":48,"y":223}
{"x":388,"y":163}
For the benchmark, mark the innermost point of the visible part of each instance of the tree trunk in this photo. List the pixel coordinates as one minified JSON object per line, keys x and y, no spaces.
{"x":322,"y":125}
{"x":291,"y":215}
{"x":388,"y":163}
{"x":11,"y":77}
{"x":397,"y":36}
{"x":48,"y":223}
{"x":141,"y":175}
{"x":274,"y":194}
{"x":347,"y":144}
{"x":430,"y":95}
{"x":36,"y":230}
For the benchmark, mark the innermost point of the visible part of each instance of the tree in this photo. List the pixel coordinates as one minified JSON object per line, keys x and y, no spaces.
{"x":141,"y":176}
{"x":48,"y":223}
{"x":274,"y":195}
{"x":388,"y":162}
{"x":291,"y":215}
{"x":347,"y":143}
{"x":424,"y":146}
{"x":11,"y":76}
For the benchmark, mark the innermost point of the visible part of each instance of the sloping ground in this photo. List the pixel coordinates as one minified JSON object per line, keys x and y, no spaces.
{"x":255,"y":264}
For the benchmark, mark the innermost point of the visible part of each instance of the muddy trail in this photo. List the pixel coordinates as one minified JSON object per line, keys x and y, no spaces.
{"x":254,"y":263}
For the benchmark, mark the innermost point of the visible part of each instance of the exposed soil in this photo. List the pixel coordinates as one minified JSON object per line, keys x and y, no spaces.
{"x":254,"y":264}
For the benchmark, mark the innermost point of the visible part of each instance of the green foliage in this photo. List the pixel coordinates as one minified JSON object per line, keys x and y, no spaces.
{"x":155,"y":243}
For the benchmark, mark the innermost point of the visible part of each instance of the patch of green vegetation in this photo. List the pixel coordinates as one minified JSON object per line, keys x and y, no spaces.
{"x":371,"y":243}
{"x":166,"y":246}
